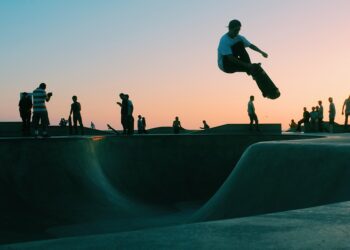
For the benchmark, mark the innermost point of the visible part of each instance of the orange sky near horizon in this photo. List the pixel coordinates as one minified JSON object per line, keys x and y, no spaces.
{"x":164,"y":55}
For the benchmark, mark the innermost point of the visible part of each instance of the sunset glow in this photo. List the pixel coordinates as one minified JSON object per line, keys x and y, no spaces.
{"x":163,"y":54}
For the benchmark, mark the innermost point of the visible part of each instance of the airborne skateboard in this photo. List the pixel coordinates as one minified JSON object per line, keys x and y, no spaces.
{"x":265,"y":84}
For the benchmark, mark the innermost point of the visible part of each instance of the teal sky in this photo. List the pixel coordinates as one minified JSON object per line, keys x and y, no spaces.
{"x":163,"y":53}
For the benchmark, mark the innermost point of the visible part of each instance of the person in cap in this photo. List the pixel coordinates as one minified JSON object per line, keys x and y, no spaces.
{"x":232,"y":54}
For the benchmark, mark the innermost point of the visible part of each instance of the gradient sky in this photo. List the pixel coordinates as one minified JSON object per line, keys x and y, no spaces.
{"x":164,"y":55}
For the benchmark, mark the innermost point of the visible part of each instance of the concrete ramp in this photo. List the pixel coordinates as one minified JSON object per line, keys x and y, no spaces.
{"x":59,"y":180}
{"x":277,"y":176}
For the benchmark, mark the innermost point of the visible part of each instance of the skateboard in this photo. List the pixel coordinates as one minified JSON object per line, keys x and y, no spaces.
{"x":111,"y":128}
{"x":265,"y":84}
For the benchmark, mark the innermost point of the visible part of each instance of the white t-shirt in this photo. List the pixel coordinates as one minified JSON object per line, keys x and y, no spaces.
{"x":225,"y":45}
{"x":251,"y":108}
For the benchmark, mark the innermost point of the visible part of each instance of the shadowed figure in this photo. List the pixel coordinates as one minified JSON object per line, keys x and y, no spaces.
{"x":139,"y":124}
{"x":305,"y":120}
{"x":25,"y":110}
{"x":314,"y":118}
{"x":124,"y":112}
{"x":346,"y":105}
{"x":92,"y":125}
{"x":205,"y":125}
{"x":252,"y":115}
{"x":233,"y":57}
{"x":40,"y":114}
{"x":332,"y":113}
{"x":177,"y":125}
{"x":75,"y":110}
{"x":320,"y":116}
{"x":293,"y":126}
{"x":130,"y":118}
{"x":144,"y":125}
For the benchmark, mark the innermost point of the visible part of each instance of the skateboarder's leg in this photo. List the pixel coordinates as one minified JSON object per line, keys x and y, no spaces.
{"x":239,"y":51}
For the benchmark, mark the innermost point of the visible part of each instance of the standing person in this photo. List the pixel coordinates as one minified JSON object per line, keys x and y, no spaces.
{"x":347,"y":112}
{"x":40,"y":113}
{"x":92,"y":125}
{"x":205,"y":125}
{"x":305,"y":120}
{"x":75,"y":110}
{"x":320,"y":116}
{"x":130,"y":118}
{"x":144,"y":125}
{"x":25,"y":110}
{"x":123,"y":112}
{"x":314,"y":118}
{"x":139,"y":125}
{"x":332,"y":113}
{"x":176,"y":125}
{"x":252,"y":115}
{"x":233,"y":57}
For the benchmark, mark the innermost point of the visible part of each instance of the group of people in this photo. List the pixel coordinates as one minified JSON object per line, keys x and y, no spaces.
{"x":37,"y":102}
{"x":313,"y":121}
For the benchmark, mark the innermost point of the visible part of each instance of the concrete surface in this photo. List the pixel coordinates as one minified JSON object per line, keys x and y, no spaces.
{"x":325,"y":227}
{"x":133,"y":187}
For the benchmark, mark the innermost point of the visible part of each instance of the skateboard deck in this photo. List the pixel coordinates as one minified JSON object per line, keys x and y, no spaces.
{"x":111,"y":128}
{"x":265,"y":84}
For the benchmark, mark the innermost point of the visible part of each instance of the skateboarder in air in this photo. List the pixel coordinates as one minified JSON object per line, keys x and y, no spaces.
{"x":233,"y":57}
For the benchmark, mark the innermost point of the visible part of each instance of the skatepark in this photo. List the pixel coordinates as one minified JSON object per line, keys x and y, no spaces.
{"x":222,"y":189}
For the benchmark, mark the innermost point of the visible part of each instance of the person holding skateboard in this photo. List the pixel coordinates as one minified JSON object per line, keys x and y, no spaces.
{"x":233,"y":57}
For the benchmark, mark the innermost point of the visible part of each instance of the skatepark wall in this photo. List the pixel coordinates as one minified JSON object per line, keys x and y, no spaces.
{"x":278,"y":176}
{"x":167,"y":169}
{"x":13,"y":129}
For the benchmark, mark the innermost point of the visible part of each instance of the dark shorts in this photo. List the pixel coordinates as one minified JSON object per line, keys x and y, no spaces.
{"x":240,"y":53}
{"x":42,"y":117}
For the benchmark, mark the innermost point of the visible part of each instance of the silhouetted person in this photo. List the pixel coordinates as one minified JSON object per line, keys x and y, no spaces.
{"x":177,"y":125}
{"x":92,"y":125}
{"x":320,"y":116}
{"x":305,"y":120}
{"x":25,"y":110}
{"x":293,"y":126}
{"x":313,"y":118}
{"x":347,"y":112}
{"x":139,"y":124}
{"x":232,"y":54}
{"x":144,"y":125}
{"x":63,"y":122}
{"x":124,"y":112}
{"x":40,"y":114}
{"x":205,"y":125}
{"x":252,"y":115}
{"x":332,"y":113}
{"x":75,"y":110}
{"x":130,"y":118}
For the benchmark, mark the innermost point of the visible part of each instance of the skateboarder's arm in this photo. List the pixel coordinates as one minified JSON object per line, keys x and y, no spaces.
{"x":342,"y":109}
{"x":253,"y":47}
{"x":119,"y":104}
